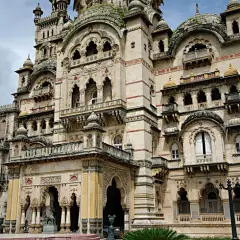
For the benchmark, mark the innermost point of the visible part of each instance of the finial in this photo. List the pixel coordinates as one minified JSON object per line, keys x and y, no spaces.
{"x":28,"y":56}
{"x":197,"y":9}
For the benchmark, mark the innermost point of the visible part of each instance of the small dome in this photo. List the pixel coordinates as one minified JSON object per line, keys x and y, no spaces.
{"x":231,"y":71}
{"x":136,"y":4}
{"x":162,"y":24}
{"x":22,"y":131}
{"x":93,"y":118}
{"x":28,"y":63}
{"x":169,"y":84}
{"x":233,"y":4}
{"x":67,"y":25}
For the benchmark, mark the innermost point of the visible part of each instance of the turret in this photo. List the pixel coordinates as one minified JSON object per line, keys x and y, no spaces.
{"x":24,"y":73}
{"x":38,"y":13}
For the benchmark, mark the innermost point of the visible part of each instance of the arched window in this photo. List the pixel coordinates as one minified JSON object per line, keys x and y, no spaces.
{"x":91,"y":49}
{"x":107,"y":90}
{"x":197,"y":46}
{"x":43,"y":34}
{"x":183,"y":203}
{"x":94,"y":97}
{"x":34,"y":126}
{"x":48,"y":34}
{"x":175,"y":152}
{"x":203,"y":146}
{"x":51,"y":122}
{"x":107,"y":47}
{"x":238,"y":144}
{"x":210,"y":201}
{"x":215,"y":94}
{"x":117,"y":142}
{"x":23,"y":80}
{"x":75,"y":97}
{"x":187,"y":99}
{"x":16,"y":151}
{"x":43,"y":124}
{"x":171,"y":100}
{"x":45,"y":52}
{"x":52,"y":32}
{"x":91,"y":92}
{"x":161,"y":46}
{"x":201,"y":97}
{"x":233,"y":89}
{"x":76,"y":55}
{"x":235,"y":27}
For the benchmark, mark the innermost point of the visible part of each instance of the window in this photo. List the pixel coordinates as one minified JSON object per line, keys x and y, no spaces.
{"x":43,"y":124}
{"x":75,"y":97}
{"x":187,"y":99}
{"x":34,"y":126}
{"x":43,"y":34}
{"x":117,"y":142}
{"x":44,"y":52}
{"x":23,"y":80}
{"x":48,"y":34}
{"x":175,"y":152}
{"x":203,"y":145}
{"x":161,"y":46}
{"x":197,"y":47}
{"x":201,"y":97}
{"x":52,"y":32}
{"x":76,"y":55}
{"x":107,"y":90}
{"x":238,"y":144}
{"x":94,"y":97}
{"x":107,"y":47}
{"x":91,"y":49}
{"x":233,"y":89}
{"x":183,"y":203}
{"x":171,"y":100}
{"x":235,"y":27}
{"x":215,"y":94}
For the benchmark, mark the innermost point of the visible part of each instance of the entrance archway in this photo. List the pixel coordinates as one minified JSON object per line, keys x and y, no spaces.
{"x":74,"y":211}
{"x":114,"y":207}
{"x":52,"y":206}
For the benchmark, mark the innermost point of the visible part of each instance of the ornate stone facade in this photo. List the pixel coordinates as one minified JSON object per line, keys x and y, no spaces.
{"x":117,"y":106}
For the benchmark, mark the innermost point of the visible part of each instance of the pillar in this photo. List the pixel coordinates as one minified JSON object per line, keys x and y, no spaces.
{"x":22,"y":225}
{"x":29,"y":128}
{"x":33,"y":222}
{"x":194,"y":100}
{"x":47,"y":125}
{"x":38,"y":226}
{"x":194,"y":210}
{"x":126,"y":220}
{"x":63,"y":219}
{"x":208,"y":96}
{"x":68,"y":220}
{"x":82,"y":97}
{"x":99,"y":94}
{"x":38,"y":127}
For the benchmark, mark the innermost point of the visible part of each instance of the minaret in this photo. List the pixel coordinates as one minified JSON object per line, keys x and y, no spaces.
{"x":38,"y":13}
{"x":197,"y":10}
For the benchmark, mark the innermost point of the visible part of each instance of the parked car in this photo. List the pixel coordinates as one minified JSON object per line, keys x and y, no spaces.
{"x":118,"y":232}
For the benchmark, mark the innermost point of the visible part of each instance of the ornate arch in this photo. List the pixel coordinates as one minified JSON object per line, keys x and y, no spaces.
{"x":201,"y":129}
{"x":195,"y":41}
{"x":122,"y":179}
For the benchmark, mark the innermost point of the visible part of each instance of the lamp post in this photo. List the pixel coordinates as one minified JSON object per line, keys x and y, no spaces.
{"x":233,"y":222}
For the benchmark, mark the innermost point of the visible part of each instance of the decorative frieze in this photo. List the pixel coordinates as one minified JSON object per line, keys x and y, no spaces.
{"x":50,"y":180}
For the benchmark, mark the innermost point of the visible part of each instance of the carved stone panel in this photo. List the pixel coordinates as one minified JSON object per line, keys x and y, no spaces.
{"x":50,"y":180}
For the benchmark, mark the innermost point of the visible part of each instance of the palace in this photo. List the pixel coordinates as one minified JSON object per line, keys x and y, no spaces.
{"x":120,"y":115}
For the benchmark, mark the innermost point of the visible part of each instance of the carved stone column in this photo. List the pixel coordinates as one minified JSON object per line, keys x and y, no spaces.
{"x":32,"y":226}
{"x":82,"y":97}
{"x":22,"y":219}
{"x":37,"y":225}
{"x":126,"y":220}
{"x":68,"y":220}
{"x":47,"y":125}
{"x":208,"y":96}
{"x":38,"y":127}
{"x":99,"y":93}
{"x":63,"y":219}
{"x":29,"y":128}
{"x":194,"y":100}
{"x":194,"y":210}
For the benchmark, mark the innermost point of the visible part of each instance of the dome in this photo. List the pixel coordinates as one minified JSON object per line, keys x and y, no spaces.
{"x":233,"y":4}
{"x":162,"y":25}
{"x":93,"y":117}
{"x":28,"y":63}
{"x":169,"y":84}
{"x":231,"y":71}
{"x":200,"y":22}
{"x":22,"y":131}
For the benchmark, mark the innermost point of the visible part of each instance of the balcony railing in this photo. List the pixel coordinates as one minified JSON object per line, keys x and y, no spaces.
{"x":232,"y":97}
{"x":159,"y":161}
{"x":212,"y":217}
{"x":184,"y":217}
{"x":42,"y":91}
{"x":69,"y":149}
{"x":9,"y":107}
{"x":205,"y":158}
{"x":93,"y":107}
{"x":169,"y":108}
{"x":42,"y":109}
{"x":197,"y":55}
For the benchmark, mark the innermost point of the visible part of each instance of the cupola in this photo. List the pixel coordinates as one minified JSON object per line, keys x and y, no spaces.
{"x":231,"y":71}
{"x":169,"y":84}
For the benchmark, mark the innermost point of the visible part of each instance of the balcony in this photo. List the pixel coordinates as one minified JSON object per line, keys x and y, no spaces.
{"x":170,"y":112}
{"x":159,"y":168}
{"x":42,"y":94}
{"x":197,"y":58}
{"x":42,"y":109}
{"x":79,"y":115}
{"x":232,"y":102}
{"x":69,"y":151}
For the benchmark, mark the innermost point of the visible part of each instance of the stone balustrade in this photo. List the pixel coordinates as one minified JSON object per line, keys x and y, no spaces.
{"x":159,"y":161}
{"x":237,"y":217}
{"x":9,"y":107}
{"x":70,"y":149}
{"x":212,"y":217}
{"x":206,"y":158}
{"x":184,"y":217}
{"x":94,"y":107}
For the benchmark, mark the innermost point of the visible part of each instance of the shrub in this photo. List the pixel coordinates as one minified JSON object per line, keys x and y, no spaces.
{"x":154,"y":234}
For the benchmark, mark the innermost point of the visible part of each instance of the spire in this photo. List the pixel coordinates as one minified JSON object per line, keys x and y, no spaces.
{"x":197,"y":9}
{"x":38,"y":13}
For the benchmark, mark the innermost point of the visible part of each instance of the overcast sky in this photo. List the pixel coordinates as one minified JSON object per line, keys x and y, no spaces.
{"x":17,"y":32}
